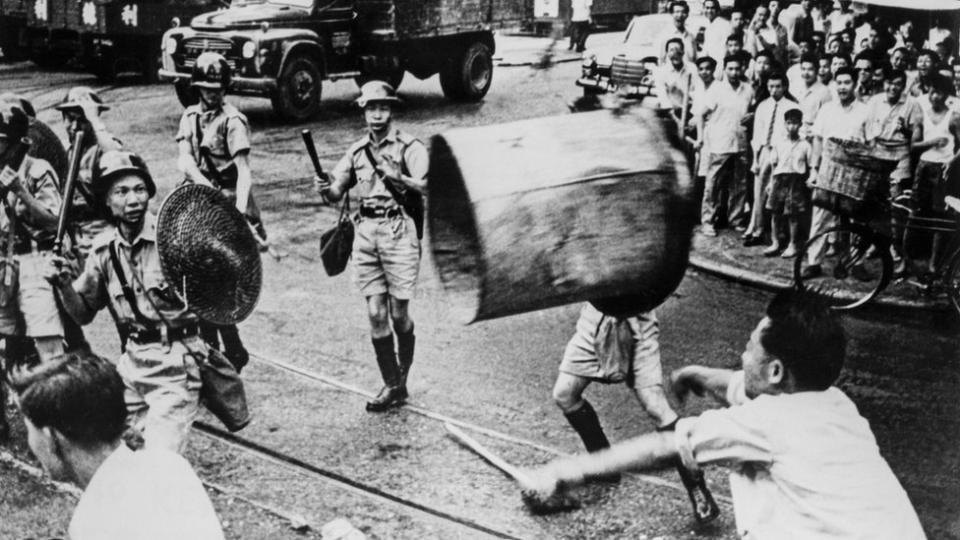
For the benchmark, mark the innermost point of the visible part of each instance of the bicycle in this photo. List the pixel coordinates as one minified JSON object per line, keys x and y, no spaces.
{"x":859,"y":265}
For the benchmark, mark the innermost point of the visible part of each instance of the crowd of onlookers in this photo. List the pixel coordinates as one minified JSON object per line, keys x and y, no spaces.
{"x":770,"y":85}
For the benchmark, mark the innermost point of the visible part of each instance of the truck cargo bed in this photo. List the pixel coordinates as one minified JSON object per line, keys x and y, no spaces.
{"x":404,"y":19}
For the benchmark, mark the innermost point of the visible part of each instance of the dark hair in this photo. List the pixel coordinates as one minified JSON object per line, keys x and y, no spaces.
{"x":767,"y":53}
{"x":826,"y":56}
{"x":893,"y":74}
{"x":868,"y":56}
{"x":941,"y":84}
{"x":732,"y":58}
{"x":820,"y":34}
{"x":793,"y":115}
{"x":846,"y":71}
{"x":716,"y":3}
{"x":807,"y":336}
{"x":949,"y":43}
{"x":934,"y":57}
{"x":666,"y":45}
{"x":681,"y":3}
{"x":843,"y":56}
{"x":736,"y":36}
{"x":708,"y":60}
{"x":809,"y":58}
{"x":79,"y":394}
{"x":777,"y":75}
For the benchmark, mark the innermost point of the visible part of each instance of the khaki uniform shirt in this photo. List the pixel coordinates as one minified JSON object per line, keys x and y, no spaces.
{"x":224,"y":133}
{"x":354,"y":169}
{"x":40,"y":180}
{"x":100,"y":287}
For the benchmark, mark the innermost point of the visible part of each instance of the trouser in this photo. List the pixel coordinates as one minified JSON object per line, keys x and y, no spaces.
{"x":726,"y":185}
{"x":579,"y":31}
{"x":821,"y":221}
{"x":162,"y":390}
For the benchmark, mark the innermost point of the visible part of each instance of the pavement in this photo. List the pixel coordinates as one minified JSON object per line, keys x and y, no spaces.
{"x":726,"y":257}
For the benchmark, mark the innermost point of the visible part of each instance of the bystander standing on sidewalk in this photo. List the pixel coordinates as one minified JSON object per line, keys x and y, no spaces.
{"x":680,"y":12}
{"x":789,"y":199}
{"x":579,"y":24}
{"x":811,"y":94}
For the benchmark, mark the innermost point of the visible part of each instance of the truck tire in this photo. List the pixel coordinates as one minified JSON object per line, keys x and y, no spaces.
{"x":298,"y":89}
{"x":393,"y":79}
{"x":186,"y":94}
{"x":468,"y":78}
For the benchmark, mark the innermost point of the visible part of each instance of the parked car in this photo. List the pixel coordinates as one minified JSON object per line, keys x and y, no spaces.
{"x":628,"y":67}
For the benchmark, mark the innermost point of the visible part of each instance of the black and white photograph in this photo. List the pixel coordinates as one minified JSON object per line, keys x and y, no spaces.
{"x":479,"y":269}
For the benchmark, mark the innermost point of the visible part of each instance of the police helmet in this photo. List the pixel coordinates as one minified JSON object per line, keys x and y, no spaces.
{"x":17,"y":99}
{"x":77,"y":95}
{"x":211,"y":71}
{"x":377,"y":92}
{"x":114,"y":163}
{"x":14,"y":123}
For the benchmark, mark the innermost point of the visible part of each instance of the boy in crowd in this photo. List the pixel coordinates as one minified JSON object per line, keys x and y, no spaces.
{"x":789,"y":197}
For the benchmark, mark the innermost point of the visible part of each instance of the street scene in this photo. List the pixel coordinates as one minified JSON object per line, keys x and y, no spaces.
{"x":529,"y":174}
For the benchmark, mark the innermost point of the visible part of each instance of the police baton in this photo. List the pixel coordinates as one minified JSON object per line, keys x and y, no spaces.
{"x":312,"y":150}
{"x":72,"y":172}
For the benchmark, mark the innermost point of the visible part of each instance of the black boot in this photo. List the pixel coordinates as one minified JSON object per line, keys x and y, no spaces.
{"x":705,"y":509}
{"x":390,"y":395}
{"x":585,"y":422}
{"x":405,"y":345}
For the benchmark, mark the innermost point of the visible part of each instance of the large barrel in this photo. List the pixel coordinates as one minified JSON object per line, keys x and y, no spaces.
{"x":539,"y":213}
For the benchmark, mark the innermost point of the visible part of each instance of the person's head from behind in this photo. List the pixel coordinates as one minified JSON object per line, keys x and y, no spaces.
{"x":793,"y":119}
{"x":72,"y":406}
{"x":798,"y":346}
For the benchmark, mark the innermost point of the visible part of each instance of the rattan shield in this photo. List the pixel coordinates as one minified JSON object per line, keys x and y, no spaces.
{"x":208,"y":253}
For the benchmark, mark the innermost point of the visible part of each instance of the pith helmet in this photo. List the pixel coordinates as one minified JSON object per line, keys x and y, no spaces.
{"x":13,"y":122}
{"x":377,"y":91}
{"x":77,"y":95}
{"x":113,"y":163}
{"x":17,"y":99}
{"x":211,"y":71}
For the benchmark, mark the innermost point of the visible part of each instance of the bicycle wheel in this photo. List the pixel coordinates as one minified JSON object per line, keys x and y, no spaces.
{"x":857,"y":265}
{"x":952,"y":280}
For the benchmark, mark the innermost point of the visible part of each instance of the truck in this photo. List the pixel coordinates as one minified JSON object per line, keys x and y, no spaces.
{"x":13,"y":25}
{"x":553,"y":15}
{"x":285,"y":49}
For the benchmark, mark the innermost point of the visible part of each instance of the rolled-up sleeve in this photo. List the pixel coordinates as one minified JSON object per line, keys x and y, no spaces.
{"x":417,"y":160}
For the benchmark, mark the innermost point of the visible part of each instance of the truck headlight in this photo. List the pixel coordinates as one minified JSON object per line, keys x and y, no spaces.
{"x":170,"y":45}
{"x":249,"y":49}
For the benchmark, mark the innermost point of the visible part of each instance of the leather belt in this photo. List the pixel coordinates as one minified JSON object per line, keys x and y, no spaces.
{"x":378,"y":212}
{"x":155,"y":335}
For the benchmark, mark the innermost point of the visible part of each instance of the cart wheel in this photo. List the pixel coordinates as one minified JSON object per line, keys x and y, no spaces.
{"x":856,"y":266}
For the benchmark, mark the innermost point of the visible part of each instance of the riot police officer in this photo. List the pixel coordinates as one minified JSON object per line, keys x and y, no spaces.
{"x":387,"y":169}
{"x":214,"y":148}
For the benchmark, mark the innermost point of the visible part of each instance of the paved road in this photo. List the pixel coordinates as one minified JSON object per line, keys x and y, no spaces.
{"x":902,"y":370}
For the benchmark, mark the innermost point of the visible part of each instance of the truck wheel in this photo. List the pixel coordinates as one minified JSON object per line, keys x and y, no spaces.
{"x":298,"y":90}
{"x":186,"y":94}
{"x":393,"y":79}
{"x":469,"y":78}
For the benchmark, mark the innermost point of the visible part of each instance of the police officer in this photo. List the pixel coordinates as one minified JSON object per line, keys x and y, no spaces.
{"x":123,"y":273}
{"x":81,"y":108}
{"x":214,"y":146}
{"x":387,"y":169}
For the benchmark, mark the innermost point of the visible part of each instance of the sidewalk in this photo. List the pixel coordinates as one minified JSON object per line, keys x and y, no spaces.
{"x":725,"y":256}
{"x":525,"y":50}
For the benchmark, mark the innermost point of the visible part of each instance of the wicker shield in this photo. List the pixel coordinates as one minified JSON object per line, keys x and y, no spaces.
{"x":208,"y":253}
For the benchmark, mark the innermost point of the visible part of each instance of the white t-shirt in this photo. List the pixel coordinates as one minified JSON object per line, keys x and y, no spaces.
{"x":804,"y":466}
{"x":151,"y":494}
{"x":580,"y":10}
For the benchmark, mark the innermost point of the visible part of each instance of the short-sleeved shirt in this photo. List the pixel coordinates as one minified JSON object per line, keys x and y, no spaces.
{"x":769,"y":126}
{"x":802,"y":465}
{"x":149,"y":494}
{"x":724,"y":108}
{"x":841,"y":122}
{"x":41,"y":181}
{"x":223,"y":133}
{"x":791,"y":157}
{"x":882,"y":121}
{"x":99,"y":286}
{"x":811,"y":100}
{"x":671,"y":83}
{"x":715,"y":39}
{"x":354,"y":170}
{"x":580,"y":10}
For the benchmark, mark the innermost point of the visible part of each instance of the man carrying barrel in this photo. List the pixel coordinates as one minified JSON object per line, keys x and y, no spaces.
{"x":387,"y":168}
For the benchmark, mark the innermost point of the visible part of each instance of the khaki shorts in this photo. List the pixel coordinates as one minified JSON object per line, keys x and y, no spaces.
{"x":35,"y":303}
{"x":580,"y":358}
{"x":162,"y":390}
{"x":386,"y":257}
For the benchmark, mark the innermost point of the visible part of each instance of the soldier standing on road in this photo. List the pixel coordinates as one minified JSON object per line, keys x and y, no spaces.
{"x":214,"y":145}
{"x":387,"y":168}
{"x":612,"y":350}
{"x":81,"y":109}
{"x":28,"y":225}
{"x":123,"y":273}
